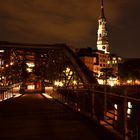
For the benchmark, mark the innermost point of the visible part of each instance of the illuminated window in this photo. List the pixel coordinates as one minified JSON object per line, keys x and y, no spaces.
{"x":11,"y":63}
{"x":1,"y":51}
{"x":114,"y":58}
{"x":129,"y":110}
{"x":116,"y":111}
{"x":74,"y":82}
{"x":108,"y":62}
{"x":67,"y":69}
{"x":30,"y":64}
{"x":31,"y":87}
{"x":119,"y":58}
{"x":57,"y":83}
{"x":29,"y":69}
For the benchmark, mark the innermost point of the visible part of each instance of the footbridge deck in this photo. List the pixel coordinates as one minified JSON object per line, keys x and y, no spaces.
{"x":34,"y":117}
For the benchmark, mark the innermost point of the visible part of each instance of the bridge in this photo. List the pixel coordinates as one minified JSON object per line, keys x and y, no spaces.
{"x":46,"y":91}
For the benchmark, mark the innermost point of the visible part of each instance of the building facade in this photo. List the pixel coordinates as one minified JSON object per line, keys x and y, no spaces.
{"x":101,"y":58}
{"x":97,"y":59}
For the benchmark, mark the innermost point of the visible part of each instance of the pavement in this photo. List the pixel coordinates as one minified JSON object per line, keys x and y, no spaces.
{"x":34,"y":117}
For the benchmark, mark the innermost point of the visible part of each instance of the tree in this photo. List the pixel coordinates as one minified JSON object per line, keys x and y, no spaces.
{"x":106,"y":74}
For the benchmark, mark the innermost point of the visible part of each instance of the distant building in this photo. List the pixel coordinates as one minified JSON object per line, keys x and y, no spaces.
{"x":114,"y":63}
{"x":100,"y":58}
{"x":129,"y":71}
{"x":95,"y":60}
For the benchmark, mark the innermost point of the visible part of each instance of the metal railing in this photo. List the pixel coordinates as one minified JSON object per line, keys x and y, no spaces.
{"x":108,"y":108}
{"x":7,"y":93}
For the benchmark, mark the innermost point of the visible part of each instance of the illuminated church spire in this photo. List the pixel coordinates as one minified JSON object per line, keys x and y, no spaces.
{"x":102,"y":10}
{"x":102,"y":39}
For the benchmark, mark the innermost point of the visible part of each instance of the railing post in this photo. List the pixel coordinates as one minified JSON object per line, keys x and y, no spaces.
{"x":125,"y":116}
{"x":137,"y":132}
{"x":105,"y":101}
{"x":93,"y":102}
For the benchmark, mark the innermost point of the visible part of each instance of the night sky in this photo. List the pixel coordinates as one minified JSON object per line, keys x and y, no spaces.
{"x":73,"y":22}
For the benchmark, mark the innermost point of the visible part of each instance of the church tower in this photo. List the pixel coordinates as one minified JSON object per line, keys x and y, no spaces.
{"x":102,"y":39}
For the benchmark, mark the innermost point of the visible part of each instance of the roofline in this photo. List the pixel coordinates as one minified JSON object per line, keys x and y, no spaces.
{"x":6,"y":44}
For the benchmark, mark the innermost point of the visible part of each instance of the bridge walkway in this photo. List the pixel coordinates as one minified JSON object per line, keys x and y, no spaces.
{"x":34,"y":117}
